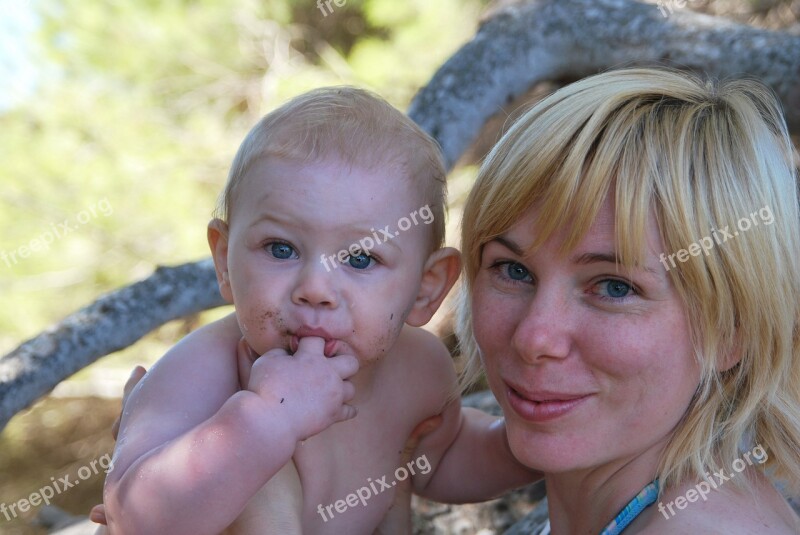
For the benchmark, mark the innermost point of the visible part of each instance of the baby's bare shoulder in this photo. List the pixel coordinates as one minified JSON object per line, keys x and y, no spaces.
{"x":424,"y":349}
{"x":206,"y":358}
{"x":424,"y":361}
{"x":219,"y":336}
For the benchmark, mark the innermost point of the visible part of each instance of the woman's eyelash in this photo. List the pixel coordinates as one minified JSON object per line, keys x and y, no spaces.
{"x":500,"y":268}
{"x":632,"y":290}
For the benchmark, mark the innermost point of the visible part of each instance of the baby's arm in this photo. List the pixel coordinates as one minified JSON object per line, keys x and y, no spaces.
{"x":193,"y":451}
{"x":469,"y":452}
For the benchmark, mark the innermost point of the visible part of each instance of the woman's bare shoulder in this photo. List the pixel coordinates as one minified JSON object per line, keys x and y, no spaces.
{"x":728,"y":510}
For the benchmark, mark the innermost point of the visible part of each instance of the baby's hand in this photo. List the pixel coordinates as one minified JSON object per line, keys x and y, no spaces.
{"x":311,"y":388}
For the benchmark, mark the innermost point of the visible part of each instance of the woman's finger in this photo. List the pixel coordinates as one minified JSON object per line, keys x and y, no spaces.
{"x":136,"y":376}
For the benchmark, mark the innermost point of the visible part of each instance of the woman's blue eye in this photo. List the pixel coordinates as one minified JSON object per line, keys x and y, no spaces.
{"x":281,"y":250}
{"x":617,"y":289}
{"x":360,"y":261}
{"x":517,"y":271}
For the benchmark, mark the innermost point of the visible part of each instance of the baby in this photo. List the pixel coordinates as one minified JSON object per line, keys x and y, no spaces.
{"x":329,"y":243}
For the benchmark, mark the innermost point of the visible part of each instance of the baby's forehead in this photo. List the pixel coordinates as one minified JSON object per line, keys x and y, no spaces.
{"x":333,"y":184}
{"x":358,"y":179}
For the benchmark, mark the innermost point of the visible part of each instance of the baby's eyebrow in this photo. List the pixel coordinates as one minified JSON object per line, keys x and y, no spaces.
{"x":267,"y":216}
{"x":376,"y":234}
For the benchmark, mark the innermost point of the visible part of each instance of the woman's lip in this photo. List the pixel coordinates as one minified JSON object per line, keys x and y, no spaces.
{"x":330,"y":345}
{"x":542,"y":411}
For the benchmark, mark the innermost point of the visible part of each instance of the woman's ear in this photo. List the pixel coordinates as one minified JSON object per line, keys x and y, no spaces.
{"x":731,"y":356}
{"x":218,"y":241}
{"x":439,"y":274}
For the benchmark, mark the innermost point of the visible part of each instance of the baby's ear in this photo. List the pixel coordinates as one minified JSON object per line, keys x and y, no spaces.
{"x":218,"y":241}
{"x":439,"y":274}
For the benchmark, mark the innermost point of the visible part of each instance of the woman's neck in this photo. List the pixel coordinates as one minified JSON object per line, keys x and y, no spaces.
{"x":585,"y":501}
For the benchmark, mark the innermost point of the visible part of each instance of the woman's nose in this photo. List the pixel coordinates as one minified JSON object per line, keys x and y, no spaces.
{"x":545,"y":329}
{"x":315,"y":287}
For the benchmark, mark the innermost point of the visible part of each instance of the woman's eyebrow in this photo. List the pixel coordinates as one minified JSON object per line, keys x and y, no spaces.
{"x":509,"y":244}
{"x":612,"y":258}
{"x":591,"y":258}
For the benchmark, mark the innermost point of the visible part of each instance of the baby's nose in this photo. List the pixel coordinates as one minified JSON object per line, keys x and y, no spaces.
{"x":314,"y":287}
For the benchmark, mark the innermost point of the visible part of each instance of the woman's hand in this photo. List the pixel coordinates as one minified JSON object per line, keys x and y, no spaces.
{"x":98,"y":512}
{"x":398,"y":519}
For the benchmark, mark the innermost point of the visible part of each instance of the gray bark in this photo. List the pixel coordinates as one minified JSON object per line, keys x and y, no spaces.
{"x":111,"y":323}
{"x":547,"y":40}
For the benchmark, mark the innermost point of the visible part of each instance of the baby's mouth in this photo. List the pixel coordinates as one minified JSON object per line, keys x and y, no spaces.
{"x":330,"y":344}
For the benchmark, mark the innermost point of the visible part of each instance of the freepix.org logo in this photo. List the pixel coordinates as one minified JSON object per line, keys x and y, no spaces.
{"x":382,"y":235}
{"x":718,"y":237}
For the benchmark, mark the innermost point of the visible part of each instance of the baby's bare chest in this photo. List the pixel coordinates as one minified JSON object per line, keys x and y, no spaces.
{"x":351,"y":475}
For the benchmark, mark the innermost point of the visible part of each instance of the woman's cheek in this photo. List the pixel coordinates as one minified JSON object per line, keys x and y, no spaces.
{"x":492,"y":321}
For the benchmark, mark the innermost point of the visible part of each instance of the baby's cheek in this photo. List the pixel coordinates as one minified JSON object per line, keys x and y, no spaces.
{"x":382,"y":341}
{"x":264,"y":329}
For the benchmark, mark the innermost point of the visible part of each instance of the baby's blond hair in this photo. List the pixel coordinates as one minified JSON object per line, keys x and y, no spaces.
{"x":355,"y":125}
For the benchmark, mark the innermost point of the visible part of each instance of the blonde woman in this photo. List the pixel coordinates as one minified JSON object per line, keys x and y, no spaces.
{"x":632,"y":262}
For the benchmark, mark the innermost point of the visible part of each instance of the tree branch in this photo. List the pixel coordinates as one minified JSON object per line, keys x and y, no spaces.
{"x":570,"y":39}
{"x":111,"y":323}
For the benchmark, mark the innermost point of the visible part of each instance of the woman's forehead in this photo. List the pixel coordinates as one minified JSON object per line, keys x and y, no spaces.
{"x":601,"y":235}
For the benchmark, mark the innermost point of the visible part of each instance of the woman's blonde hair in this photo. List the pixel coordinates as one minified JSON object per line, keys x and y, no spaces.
{"x":700,"y":156}
{"x":355,"y":125}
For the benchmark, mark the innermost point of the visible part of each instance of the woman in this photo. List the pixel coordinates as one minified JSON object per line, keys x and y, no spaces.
{"x":632,"y":249}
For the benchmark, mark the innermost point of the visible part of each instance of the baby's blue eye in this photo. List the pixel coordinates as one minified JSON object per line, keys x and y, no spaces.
{"x":360,"y":261}
{"x":517,"y":271}
{"x":281,"y":250}
{"x":617,"y":289}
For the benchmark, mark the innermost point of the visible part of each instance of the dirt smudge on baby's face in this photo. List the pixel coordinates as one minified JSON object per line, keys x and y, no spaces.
{"x":272,"y":320}
{"x":382,"y":342}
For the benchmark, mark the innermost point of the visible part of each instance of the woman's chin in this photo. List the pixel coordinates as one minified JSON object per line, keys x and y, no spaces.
{"x":549,"y":453}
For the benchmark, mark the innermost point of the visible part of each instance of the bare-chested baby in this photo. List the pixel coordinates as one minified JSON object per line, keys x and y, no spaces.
{"x":329,"y":243}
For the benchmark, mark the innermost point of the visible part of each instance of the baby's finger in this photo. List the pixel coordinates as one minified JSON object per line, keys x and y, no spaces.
{"x":347,"y":412}
{"x":312,"y":345}
{"x":349,"y":391}
{"x":345,"y":365}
